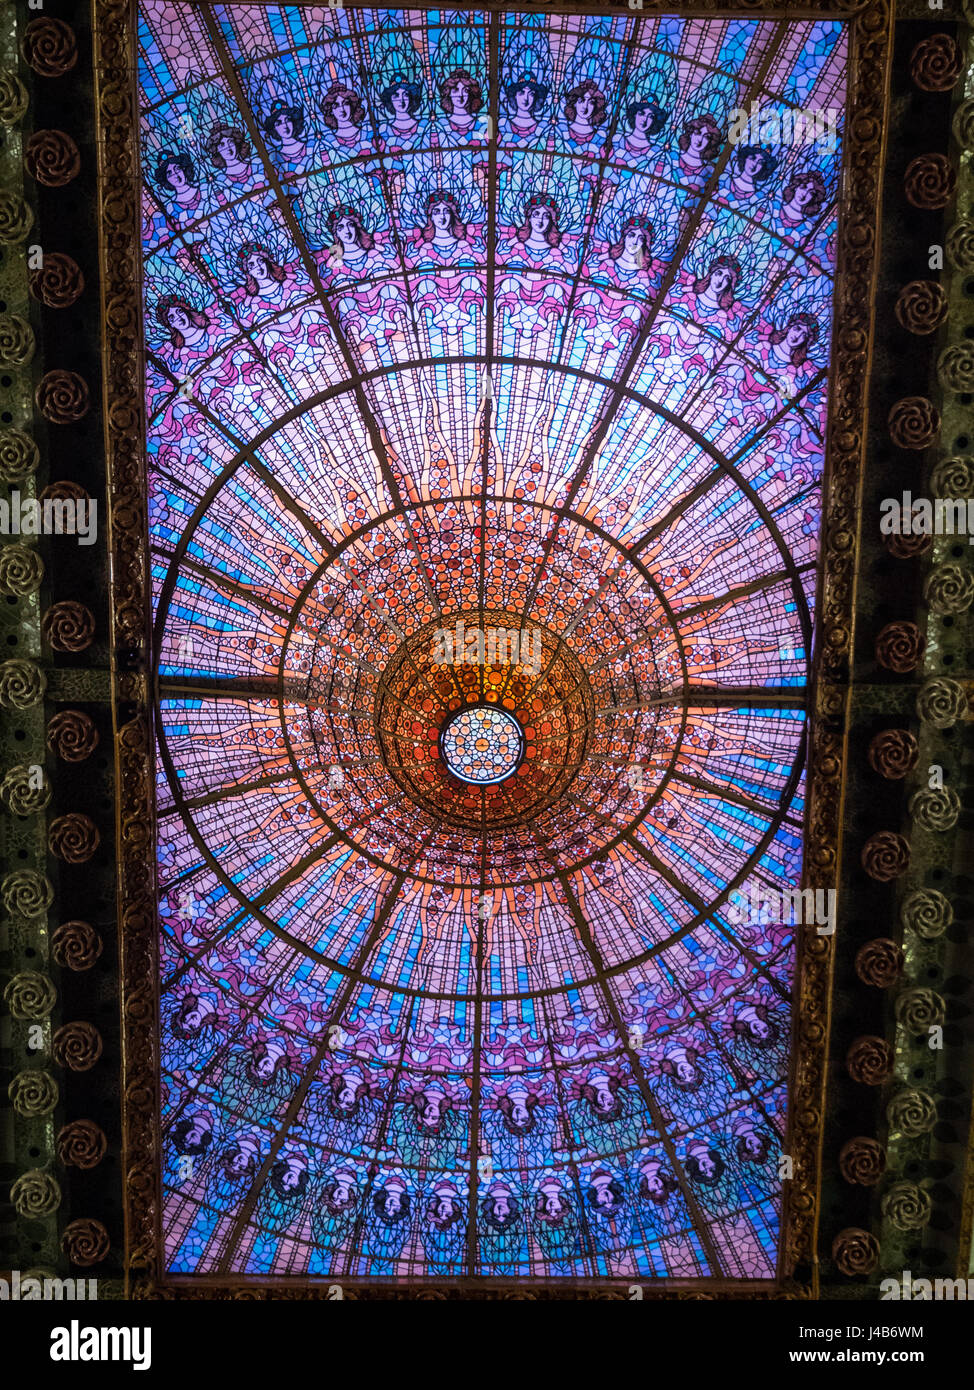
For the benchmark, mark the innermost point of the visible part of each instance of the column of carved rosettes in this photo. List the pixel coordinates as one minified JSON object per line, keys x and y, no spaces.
{"x":40,"y":950}
{"x":30,"y":997}
{"x":925,"y":1005}
{"x":909,"y":956}
{"x":119,"y":202}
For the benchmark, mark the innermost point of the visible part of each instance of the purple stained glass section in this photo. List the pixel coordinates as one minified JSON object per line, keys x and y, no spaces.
{"x":485,"y":414}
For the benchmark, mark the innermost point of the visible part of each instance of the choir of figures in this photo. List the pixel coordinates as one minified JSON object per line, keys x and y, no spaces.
{"x":393,"y":1176}
{"x":382,"y":177}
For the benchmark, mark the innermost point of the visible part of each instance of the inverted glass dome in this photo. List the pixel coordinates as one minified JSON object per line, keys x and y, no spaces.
{"x":483,"y":322}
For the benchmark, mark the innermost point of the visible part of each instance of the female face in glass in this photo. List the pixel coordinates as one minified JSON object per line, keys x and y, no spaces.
{"x":342,"y":1193}
{"x":585,"y":108}
{"x":284,"y":127}
{"x":347,"y":233}
{"x":432,"y":1109}
{"x":346,"y":1096}
{"x":400,"y":101}
{"x":443,"y":1207}
{"x":292,"y":1175}
{"x":259,"y":269}
{"x":179,"y":319}
{"x":653,"y":1180}
{"x":540,"y":219}
{"x":797,"y":336}
{"x":721,"y":279}
{"x":264,"y":1064}
{"x":441,"y":216}
{"x":552,"y":1204}
{"x":227,"y":149}
{"x":635,"y":242}
{"x":699,"y":140}
{"x":757,"y":1027}
{"x":176,"y":178}
{"x":393,"y":1202}
{"x":342,"y":111}
{"x":524,"y":101}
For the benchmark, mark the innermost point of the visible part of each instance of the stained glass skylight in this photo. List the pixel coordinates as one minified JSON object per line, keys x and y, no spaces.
{"x":457,"y":320}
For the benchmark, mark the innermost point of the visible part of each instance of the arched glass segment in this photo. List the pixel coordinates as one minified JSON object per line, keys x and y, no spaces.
{"x":519,"y":325}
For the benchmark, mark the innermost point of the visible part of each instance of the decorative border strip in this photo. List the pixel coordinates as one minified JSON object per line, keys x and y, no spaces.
{"x":115,"y":30}
{"x":899,"y":1161}
{"x":58,"y":1064}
